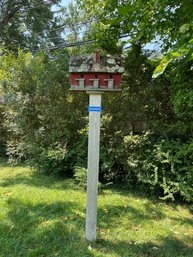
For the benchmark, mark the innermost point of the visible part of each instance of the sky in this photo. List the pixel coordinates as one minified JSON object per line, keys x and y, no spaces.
{"x":65,"y":2}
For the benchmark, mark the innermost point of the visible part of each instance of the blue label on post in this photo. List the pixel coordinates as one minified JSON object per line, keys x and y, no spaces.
{"x":94,"y":108}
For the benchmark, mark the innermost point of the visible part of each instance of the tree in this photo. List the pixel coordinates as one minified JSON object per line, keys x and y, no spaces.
{"x":169,"y":22}
{"x":27,"y":23}
{"x":78,"y":27}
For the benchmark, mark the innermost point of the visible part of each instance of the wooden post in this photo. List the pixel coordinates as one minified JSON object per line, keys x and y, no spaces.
{"x":93,"y":164}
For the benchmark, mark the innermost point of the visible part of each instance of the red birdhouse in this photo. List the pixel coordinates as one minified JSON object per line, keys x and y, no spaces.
{"x":95,"y":72}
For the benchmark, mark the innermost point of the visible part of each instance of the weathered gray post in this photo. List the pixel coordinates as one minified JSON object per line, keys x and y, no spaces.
{"x":93,"y":164}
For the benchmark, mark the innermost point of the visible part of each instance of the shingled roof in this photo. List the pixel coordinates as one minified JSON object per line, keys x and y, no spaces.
{"x":96,"y":63}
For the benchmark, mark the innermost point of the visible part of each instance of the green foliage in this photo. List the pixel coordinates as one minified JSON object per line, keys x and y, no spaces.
{"x":182,"y":89}
{"x":167,"y":22}
{"x":80,"y":174}
{"x":28,"y":23}
{"x":41,"y":114}
{"x":160,"y":165}
{"x":3,"y":134}
{"x":163,"y":164}
{"x":171,"y":56}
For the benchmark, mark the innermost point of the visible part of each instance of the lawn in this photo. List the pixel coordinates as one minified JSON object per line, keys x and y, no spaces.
{"x":45,"y":216}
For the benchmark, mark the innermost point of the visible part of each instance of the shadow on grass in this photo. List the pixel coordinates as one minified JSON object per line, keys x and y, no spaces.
{"x":113,"y":214}
{"x":111,"y":217}
{"x":168,"y":247}
{"x":126,"y":190}
{"x":57,"y":229}
{"x":185,"y":221}
{"x":43,"y":230}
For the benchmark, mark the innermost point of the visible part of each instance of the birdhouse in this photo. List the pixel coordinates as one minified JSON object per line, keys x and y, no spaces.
{"x":95,"y":72}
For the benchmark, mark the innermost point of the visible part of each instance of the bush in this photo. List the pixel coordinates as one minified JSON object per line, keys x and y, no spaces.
{"x":164,"y":165}
{"x":3,"y":134}
{"x":42,"y":117}
{"x":80,"y":174}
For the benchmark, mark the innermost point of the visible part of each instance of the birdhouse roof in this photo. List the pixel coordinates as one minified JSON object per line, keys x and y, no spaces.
{"x":96,"y":63}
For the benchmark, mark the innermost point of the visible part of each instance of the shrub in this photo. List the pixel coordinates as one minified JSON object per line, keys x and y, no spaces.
{"x":163,"y":164}
{"x":80,"y":174}
{"x":42,"y":117}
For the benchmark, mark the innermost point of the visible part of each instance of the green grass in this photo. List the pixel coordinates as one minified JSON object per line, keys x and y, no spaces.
{"x":45,"y":216}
